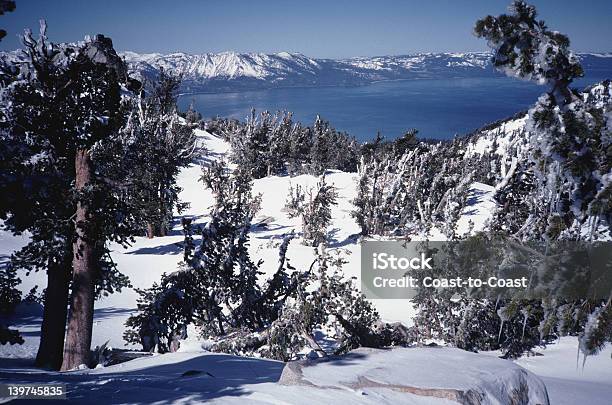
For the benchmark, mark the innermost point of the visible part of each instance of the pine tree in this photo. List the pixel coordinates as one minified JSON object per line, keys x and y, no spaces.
{"x":10,"y":296}
{"x":192,"y":116}
{"x":524,"y":47}
{"x":218,"y":289}
{"x":62,"y":111}
{"x":272,"y":144}
{"x":250,"y":146}
{"x":294,"y":206}
{"x":316,"y":217}
{"x":160,"y":146}
{"x":565,"y":190}
{"x":298,"y":149}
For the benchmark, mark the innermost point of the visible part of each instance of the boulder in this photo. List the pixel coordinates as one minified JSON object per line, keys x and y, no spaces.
{"x":437,"y":372}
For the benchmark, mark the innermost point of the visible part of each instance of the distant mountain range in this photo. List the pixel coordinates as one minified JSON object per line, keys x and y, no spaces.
{"x":230,"y":71}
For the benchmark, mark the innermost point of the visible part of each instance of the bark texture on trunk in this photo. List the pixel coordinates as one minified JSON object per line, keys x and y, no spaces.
{"x":53,"y":329}
{"x":150,"y":230}
{"x":163,"y":230}
{"x":80,"y":322}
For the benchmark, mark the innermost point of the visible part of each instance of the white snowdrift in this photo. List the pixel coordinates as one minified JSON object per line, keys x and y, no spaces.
{"x":436,"y":372}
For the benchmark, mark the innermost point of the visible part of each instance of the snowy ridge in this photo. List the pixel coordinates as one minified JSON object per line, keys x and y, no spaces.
{"x":231,"y":71}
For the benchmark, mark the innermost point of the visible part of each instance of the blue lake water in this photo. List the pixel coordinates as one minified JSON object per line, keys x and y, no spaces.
{"x":437,"y":108}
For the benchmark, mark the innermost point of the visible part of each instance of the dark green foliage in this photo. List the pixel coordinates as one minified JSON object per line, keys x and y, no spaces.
{"x":10,"y":296}
{"x":597,"y":332}
{"x":160,"y":145}
{"x":526,"y":48}
{"x":47,"y":121}
{"x":60,"y":102}
{"x":316,"y":215}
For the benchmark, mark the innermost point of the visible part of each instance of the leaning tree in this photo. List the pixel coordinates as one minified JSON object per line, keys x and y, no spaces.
{"x":569,"y":167}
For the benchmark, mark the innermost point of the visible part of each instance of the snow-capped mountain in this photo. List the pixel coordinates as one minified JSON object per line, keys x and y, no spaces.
{"x":230,"y":71}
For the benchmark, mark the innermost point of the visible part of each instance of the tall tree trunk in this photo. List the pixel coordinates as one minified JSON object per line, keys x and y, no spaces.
{"x":80,"y":321}
{"x":53,"y":328}
{"x":163,"y":226}
{"x":150,"y":230}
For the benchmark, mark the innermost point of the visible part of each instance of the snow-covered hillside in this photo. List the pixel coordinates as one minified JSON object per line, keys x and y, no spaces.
{"x":194,"y":375}
{"x":231,"y":71}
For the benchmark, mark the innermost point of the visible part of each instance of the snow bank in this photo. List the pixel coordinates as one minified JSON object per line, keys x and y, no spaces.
{"x":445,"y":373}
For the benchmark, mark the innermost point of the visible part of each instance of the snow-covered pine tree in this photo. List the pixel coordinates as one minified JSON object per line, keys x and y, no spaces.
{"x":61,"y":114}
{"x":524,"y":47}
{"x":313,"y":301}
{"x":567,"y":134}
{"x":408,"y":194}
{"x":272,"y":144}
{"x":192,"y":116}
{"x":331,"y":149}
{"x":251,"y":144}
{"x":567,"y":187}
{"x":163,"y":310}
{"x":316,"y":216}
{"x":320,"y":149}
{"x":10,"y":296}
{"x":218,"y":290}
{"x":326,"y":301}
{"x":222,"y":260}
{"x":513,"y":199}
{"x":161,"y":144}
{"x":294,"y":206}
{"x":368,"y":211}
{"x":300,"y":143}
{"x":279,"y":139}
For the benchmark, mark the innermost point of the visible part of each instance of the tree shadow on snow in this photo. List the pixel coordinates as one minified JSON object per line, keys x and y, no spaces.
{"x":336,"y":243}
{"x":194,"y":380}
{"x":475,"y":197}
{"x":169,"y":249}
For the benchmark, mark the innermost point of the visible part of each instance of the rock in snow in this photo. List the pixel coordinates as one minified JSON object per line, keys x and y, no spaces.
{"x":453,"y":374}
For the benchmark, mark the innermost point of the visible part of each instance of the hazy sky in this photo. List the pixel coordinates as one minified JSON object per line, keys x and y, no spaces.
{"x":332,"y":28}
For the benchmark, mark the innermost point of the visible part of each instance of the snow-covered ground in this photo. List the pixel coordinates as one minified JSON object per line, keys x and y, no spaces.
{"x":227,"y":378}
